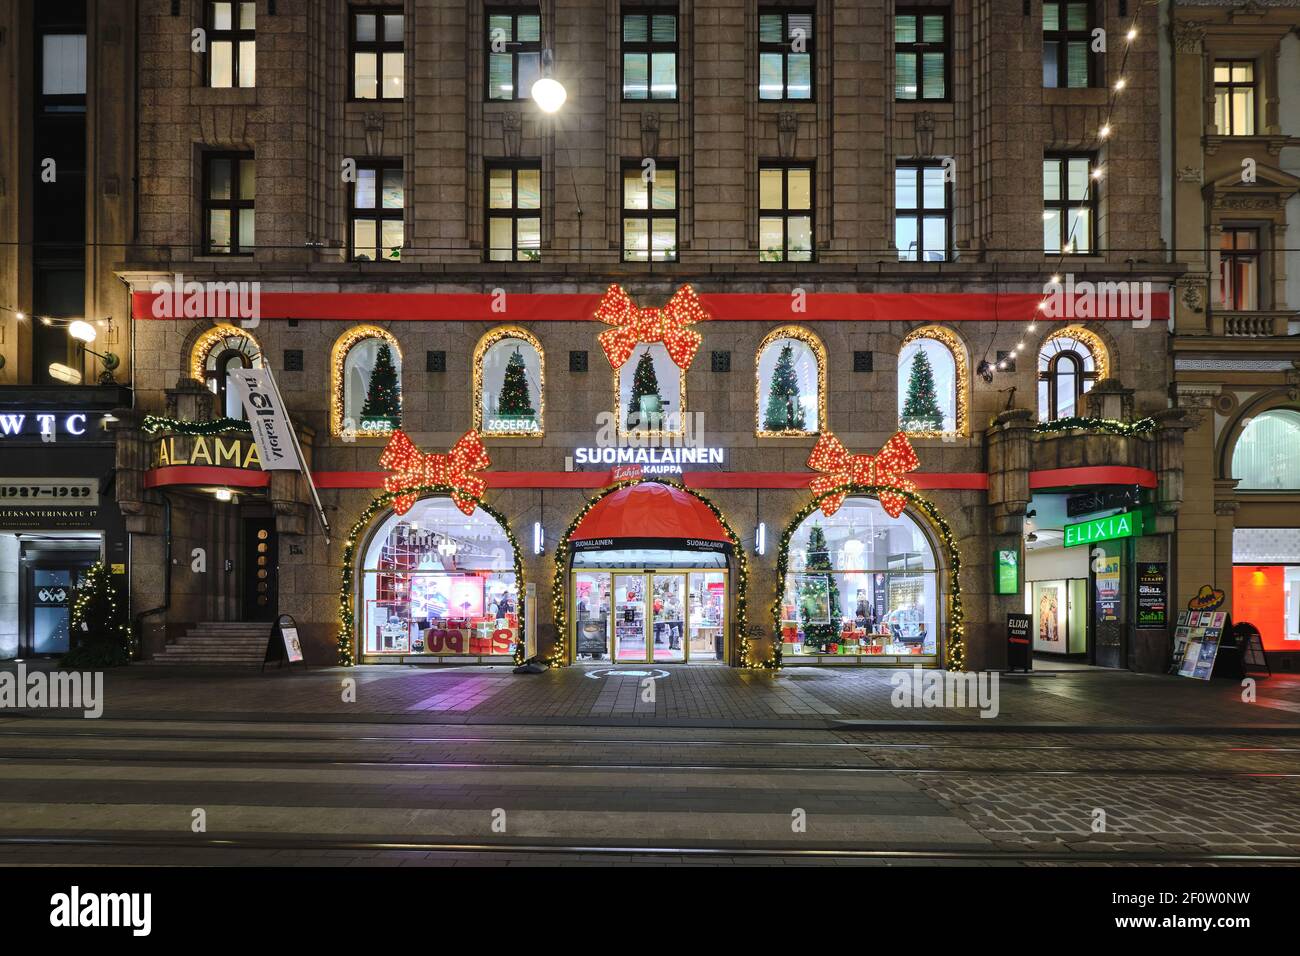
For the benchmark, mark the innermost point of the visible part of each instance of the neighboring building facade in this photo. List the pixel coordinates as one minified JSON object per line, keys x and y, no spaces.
{"x":1234,"y":165}
{"x":867,"y":200}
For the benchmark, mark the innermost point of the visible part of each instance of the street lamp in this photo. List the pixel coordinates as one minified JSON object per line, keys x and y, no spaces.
{"x":548,"y":93}
{"x":85,"y":333}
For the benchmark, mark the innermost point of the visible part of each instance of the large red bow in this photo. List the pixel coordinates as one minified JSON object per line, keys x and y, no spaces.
{"x":632,"y":325}
{"x":410,"y":468}
{"x":888,"y":467}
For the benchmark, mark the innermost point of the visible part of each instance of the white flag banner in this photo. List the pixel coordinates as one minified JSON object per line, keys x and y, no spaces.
{"x":272,"y":432}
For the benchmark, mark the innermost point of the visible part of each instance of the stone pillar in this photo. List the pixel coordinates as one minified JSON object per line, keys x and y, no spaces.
{"x":190,"y":401}
{"x":1170,"y":435}
{"x":1197,"y":523}
{"x":1108,"y":399}
{"x":1008,"y":443}
{"x":133,"y":457}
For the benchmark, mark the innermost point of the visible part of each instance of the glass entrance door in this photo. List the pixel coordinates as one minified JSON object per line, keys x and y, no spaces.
{"x":629,"y":618}
{"x":668,"y":634}
{"x":51,"y":592}
{"x":644,"y":617}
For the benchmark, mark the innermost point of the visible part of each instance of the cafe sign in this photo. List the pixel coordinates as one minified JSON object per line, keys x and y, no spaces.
{"x":213,"y":450}
{"x":1127,"y":524}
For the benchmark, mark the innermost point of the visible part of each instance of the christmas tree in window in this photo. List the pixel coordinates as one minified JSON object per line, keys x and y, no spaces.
{"x":819,"y":595}
{"x":514,"y":402}
{"x":785,"y":411}
{"x":645,"y":408}
{"x":921,"y":410}
{"x":382,"y":410}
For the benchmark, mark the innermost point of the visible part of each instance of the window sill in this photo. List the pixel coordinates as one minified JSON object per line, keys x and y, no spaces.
{"x":1273,"y":143}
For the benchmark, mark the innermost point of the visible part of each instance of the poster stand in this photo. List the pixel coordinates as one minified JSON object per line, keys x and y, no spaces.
{"x":1250,"y":644}
{"x":1201,"y":646}
{"x":282,"y":645}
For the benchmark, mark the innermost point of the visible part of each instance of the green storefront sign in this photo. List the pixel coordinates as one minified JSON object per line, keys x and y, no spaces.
{"x":1128,"y":524}
{"x":1007,"y":572}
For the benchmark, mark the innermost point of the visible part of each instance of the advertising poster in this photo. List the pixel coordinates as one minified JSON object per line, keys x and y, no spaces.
{"x":1152,"y":595}
{"x":1049,"y":616}
{"x":1107,"y":584}
{"x":1007,"y":571}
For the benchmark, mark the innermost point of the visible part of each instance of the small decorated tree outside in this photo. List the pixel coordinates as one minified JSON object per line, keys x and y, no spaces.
{"x":921,"y":410}
{"x":514,"y":400}
{"x":819,"y":590}
{"x":100,"y":628}
{"x":646,"y":405}
{"x":785,"y":411}
{"x":384,"y":393}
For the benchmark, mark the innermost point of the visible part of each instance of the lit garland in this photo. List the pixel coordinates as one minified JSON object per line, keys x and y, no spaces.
{"x":798,"y":334}
{"x":633,"y":326}
{"x":888,"y":469}
{"x":1111,"y":425}
{"x":949,"y":340}
{"x":347,"y":617}
{"x":338,"y":359}
{"x":955,"y":646}
{"x":153,"y":424}
{"x":478,"y":397}
{"x":558,"y":610}
{"x":101,"y":584}
{"x":412,"y":467}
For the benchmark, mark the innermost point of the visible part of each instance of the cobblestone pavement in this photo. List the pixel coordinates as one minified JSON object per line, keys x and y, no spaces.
{"x":702,"y":694}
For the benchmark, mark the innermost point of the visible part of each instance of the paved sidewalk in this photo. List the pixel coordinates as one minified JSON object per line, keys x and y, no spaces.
{"x":699,"y":695}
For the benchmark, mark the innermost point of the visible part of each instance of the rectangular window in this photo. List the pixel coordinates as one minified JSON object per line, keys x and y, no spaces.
{"x":229,"y":186}
{"x":1239,"y":270}
{"x":1069,"y":204}
{"x":785,"y":55}
{"x":63,"y":64}
{"x":378,"y":201}
{"x":378,"y":60}
{"x":921,"y":54}
{"x":1234,"y":97}
{"x":785,"y":213}
{"x":922,"y":212}
{"x":514,"y":215}
{"x":232,"y":44}
{"x":649,"y":55}
{"x":650,"y":214}
{"x":514,"y":53}
{"x":1068,"y":60}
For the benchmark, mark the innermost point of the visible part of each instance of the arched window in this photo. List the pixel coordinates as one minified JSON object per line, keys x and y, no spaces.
{"x":933,"y":390}
{"x":366,"y":383}
{"x":1070,"y":362}
{"x":509,"y":384}
{"x":863,"y":580}
{"x":219,"y":351}
{"x":436,"y":581}
{"x":650,"y":392}
{"x":1267,"y":454}
{"x":791,"y":386}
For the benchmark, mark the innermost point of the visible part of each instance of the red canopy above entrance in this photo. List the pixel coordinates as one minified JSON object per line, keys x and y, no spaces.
{"x":650,"y":510}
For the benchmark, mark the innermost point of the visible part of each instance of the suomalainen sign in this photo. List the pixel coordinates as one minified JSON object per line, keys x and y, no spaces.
{"x":1126,"y":524}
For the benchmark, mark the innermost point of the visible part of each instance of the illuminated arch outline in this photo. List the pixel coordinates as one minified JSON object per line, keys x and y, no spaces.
{"x":490,"y":339}
{"x":808,"y":338}
{"x":558,"y":608}
{"x":213,"y":337}
{"x":954,"y":649}
{"x":961,"y":378}
{"x":347,"y":597}
{"x":1096,"y":344}
{"x":339,"y":356}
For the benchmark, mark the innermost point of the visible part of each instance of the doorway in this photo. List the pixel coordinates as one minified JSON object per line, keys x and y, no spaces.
{"x":641,"y":617}
{"x":50,"y":585}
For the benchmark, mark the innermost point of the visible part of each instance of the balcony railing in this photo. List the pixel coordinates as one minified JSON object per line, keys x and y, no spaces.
{"x":1252,"y":324}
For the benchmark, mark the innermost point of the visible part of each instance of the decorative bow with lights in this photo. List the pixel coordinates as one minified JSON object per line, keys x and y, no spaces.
{"x":411,"y":467}
{"x":888,"y":467}
{"x":632,"y":325}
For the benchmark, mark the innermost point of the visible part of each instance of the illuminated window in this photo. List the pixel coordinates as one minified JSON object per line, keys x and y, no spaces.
{"x":791,"y":387}
{"x":1068,"y":60}
{"x":378,"y":201}
{"x":785,"y":55}
{"x":1067,"y":368}
{"x":229,"y":189}
{"x":1267,"y":454}
{"x":932,"y":387}
{"x":378,"y":60}
{"x":232,"y":44}
{"x":785,"y":213}
{"x":921,"y":53}
{"x":514,"y":53}
{"x":651,"y":393}
{"x":514,"y":215}
{"x":218,"y":352}
{"x":862,"y":583}
{"x":650,"y":213}
{"x":366,"y":383}
{"x":922,"y":212}
{"x":1234,"y":97}
{"x":650,"y":55}
{"x":1239,"y":270}
{"x":1069,"y":204}
{"x":509,"y":383}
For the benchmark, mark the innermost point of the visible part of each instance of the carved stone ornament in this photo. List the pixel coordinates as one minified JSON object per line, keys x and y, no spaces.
{"x":787,"y":134}
{"x":1193,"y":294}
{"x":373,"y":124}
{"x":1189,"y":174}
{"x":649,"y":132}
{"x":1188,"y":35}
{"x":512,"y":131}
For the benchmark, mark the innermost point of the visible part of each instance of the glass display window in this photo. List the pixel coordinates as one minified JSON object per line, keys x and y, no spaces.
{"x":651,"y":393}
{"x":791,"y":387}
{"x":509,"y":381}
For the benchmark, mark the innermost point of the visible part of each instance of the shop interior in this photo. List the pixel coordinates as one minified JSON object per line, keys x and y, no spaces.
{"x":39,"y":578}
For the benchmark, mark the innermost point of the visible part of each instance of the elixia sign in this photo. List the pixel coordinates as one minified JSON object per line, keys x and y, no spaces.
{"x":1127,"y":524}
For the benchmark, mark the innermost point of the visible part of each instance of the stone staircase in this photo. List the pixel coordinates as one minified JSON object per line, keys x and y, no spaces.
{"x":217,"y":643}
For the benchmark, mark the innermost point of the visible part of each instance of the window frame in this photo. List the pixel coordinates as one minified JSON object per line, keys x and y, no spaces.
{"x":378,"y":47}
{"x":650,"y":47}
{"x":235,"y":36}
{"x":514,"y":48}
{"x":515,"y":212}
{"x":1063,"y":36}
{"x":919,"y":47}
{"x":233,"y":205}
{"x":1237,"y":254}
{"x":920,"y":213}
{"x":649,"y":214}
{"x":1065,"y":205}
{"x":784,"y":49}
{"x":1051,"y":376}
{"x":1231,"y":86}
{"x":379,"y":214}
{"x":785,"y":213}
